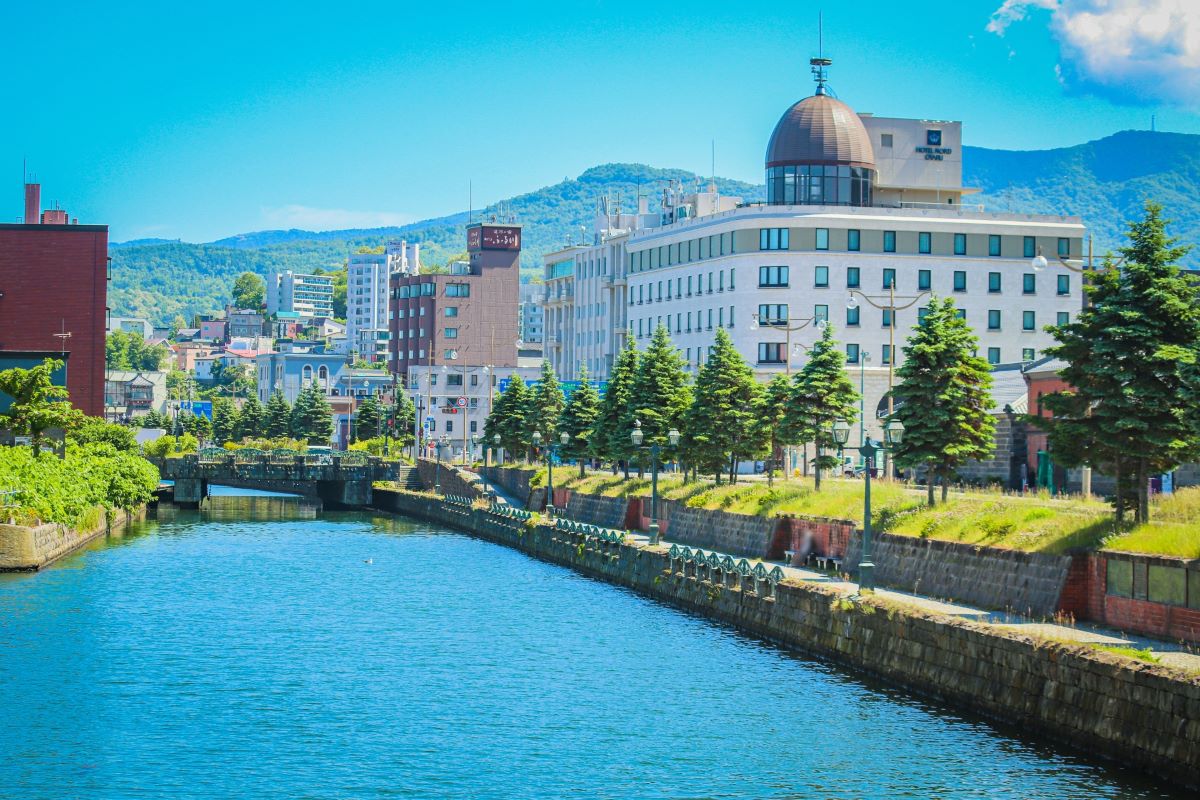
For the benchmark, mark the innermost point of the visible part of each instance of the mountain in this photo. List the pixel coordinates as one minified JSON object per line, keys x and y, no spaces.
{"x":1105,"y":182}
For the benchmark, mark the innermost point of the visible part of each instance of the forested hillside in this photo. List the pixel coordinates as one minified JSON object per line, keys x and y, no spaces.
{"x":1104,"y":181}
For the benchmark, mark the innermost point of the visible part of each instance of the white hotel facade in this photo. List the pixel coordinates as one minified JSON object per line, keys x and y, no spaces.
{"x":861,"y":212}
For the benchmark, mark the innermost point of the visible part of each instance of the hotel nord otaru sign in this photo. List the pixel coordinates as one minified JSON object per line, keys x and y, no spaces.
{"x":934,"y":150}
{"x":494,"y":237}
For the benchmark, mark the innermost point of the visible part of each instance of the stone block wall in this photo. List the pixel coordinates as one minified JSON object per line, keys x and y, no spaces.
{"x":805,"y":535}
{"x":450,"y":478}
{"x":607,"y":512}
{"x":513,"y":480}
{"x":1026,"y":583}
{"x":735,"y":534}
{"x":32,"y":548}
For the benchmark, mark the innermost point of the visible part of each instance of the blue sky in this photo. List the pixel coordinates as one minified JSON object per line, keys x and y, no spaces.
{"x":204,"y":120}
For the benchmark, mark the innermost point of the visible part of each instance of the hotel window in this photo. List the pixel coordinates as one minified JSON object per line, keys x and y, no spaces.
{"x":1029,"y":283}
{"x":1064,"y":284}
{"x":731,"y":316}
{"x":821,"y":277}
{"x":889,"y":241}
{"x":710,"y":283}
{"x":679,"y":322}
{"x":922,"y":312}
{"x":474,"y":382}
{"x":772,"y":277}
{"x":679,"y":287}
{"x":770,"y":352}
{"x":852,"y":277}
{"x":853,"y":240}
{"x":960,"y":244}
{"x":659,"y":298}
{"x":993,"y":245}
{"x":709,"y":319}
{"x":1027,"y":354}
{"x":640,"y":298}
{"x":960,"y":281}
{"x":450,"y":333}
{"x":721,"y":317}
{"x":885,"y":140}
{"x":1064,"y":248}
{"x":773,"y":239}
{"x":773,"y":314}
{"x":961,"y":313}
{"x":889,"y":278}
{"x":924,"y":243}
{"x":924,"y":279}
{"x":888,"y":320}
{"x":1064,"y":318}
{"x":822,"y":238}
{"x":820,"y":314}
{"x":993,"y":355}
{"x":1030,"y":245}
{"x":689,"y":321}
{"x":668,"y":288}
{"x":451,"y":311}
{"x":689,"y":294}
{"x":887,"y":354}
{"x":853,"y":316}
{"x":731,"y":279}
{"x":1028,"y":321}
{"x":852,"y":354}
{"x":720,"y":280}
{"x":994,"y":282}
{"x":994,"y":320}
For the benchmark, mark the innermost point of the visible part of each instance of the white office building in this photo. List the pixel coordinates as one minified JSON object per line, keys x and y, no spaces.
{"x":367,"y":277}
{"x":865,"y":220}
{"x":307,"y":295}
{"x":529,"y":310}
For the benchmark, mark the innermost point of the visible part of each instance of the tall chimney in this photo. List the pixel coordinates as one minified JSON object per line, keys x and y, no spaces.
{"x":33,"y":203}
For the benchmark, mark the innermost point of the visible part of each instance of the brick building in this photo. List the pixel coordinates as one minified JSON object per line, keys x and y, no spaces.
{"x":53,"y":293}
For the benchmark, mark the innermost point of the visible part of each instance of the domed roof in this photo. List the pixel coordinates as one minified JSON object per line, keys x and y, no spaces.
{"x":820,"y":130}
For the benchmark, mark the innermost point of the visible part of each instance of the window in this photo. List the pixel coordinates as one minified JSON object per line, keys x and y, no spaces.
{"x":922,"y":312}
{"x":450,"y":333}
{"x":455,"y":379}
{"x":960,"y":244}
{"x":709,"y":326}
{"x":474,"y":380}
{"x":770,"y":352}
{"x":1064,"y":318}
{"x":451,"y":311}
{"x":306,"y":375}
{"x":773,"y":239}
{"x":731,"y":279}
{"x":821,"y":277}
{"x":960,"y":280}
{"x":820,"y":314}
{"x":888,"y":320}
{"x":822,"y":238}
{"x":458,"y":290}
{"x":772,"y":277}
{"x":852,"y":277}
{"x":887,"y":354}
{"x":853,"y":316}
{"x":924,"y":243}
{"x":852,"y":354}
{"x":433,"y":379}
{"x":994,"y":282}
{"x":1064,"y":284}
{"x":889,"y":278}
{"x":773,"y":314}
{"x":710,"y":283}
{"x":993,"y":245}
{"x":994,"y":320}
{"x":1027,"y":354}
{"x":924,"y":279}
{"x":885,"y":140}
{"x":449,"y":426}
{"x":731,"y":316}
{"x":889,"y":241}
{"x":853,"y":240}
{"x":641,"y":297}
{"x":1030,"y":246}
{"x":993,"y":355}
{"x":1064,"y":248}
{"x":689,"y":294}
{"x":1028,"y":321}
{"x":1029,"y":283}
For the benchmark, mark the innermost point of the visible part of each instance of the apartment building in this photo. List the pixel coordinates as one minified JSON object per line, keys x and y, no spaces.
{"x":305,"y":295}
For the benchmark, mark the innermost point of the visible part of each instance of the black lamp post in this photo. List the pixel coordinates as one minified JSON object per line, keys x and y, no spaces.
{"x":893,"y":434}
{"x":636,"y":436}
{"x":551,"y":449}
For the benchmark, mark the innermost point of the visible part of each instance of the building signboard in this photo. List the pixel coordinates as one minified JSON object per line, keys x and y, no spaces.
{"x":494,"y":237}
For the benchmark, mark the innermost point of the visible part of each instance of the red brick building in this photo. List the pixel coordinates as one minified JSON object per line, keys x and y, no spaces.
{"x":53,"y":296}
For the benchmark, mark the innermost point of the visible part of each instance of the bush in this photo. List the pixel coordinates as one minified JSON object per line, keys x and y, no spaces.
{"x":96,"y":431}
{"x":171,"y":446}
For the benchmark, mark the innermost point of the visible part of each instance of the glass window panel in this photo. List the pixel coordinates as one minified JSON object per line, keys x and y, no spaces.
{"x":994,"y":282}
{"x":960,"y":281}
{"x":993,"y":245}
{"x":924,"y":243}
{"x":822,"y":277}
{"x":852,"y":275}
{"x":924,"y":279}
{"x":889,"y":241}
{"x":853,"y":238}
{"x":960,"y":244}
{"x":822,"y":238}
{"x":1030,"y":246}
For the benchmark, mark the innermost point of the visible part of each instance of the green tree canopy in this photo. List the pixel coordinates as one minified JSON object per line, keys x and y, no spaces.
{"x":93,"y":430}
{"x":822,"y":392}
{"x":224,"y":422}
{"x":661,"y":393}
{"x":277,"y":416}
{"x":772,"y":413}
{"x":249,"y":291}
{"x":128,"y":350}
{"x":403,"y":417}
{"x":545,"y":405}
{"x":508,"y":417}
{"x":578,"y":417}
{"x":721,"y":426}
{"x":943,"y":397}
{"x":38,"y":404}
{"x":250,"y":419}
{"x":610,"y":434}
{"x":312,"y":416}
{"x":369,"y":421}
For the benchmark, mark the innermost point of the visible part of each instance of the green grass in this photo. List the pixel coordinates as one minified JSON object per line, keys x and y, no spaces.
{"x":1141,"y":654}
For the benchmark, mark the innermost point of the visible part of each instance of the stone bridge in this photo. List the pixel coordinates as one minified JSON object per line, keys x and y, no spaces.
{"x":339,"y":478}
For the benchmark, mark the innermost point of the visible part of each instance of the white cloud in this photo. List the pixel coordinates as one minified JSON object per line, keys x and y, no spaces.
{"x":1131,"y":51}
{"x":330,"y":219}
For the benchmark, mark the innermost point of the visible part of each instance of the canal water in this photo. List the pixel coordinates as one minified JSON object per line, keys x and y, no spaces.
{"x":263,"y":650}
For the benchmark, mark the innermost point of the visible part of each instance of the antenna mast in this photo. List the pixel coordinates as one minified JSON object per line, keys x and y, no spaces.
{"x":820,"y":63}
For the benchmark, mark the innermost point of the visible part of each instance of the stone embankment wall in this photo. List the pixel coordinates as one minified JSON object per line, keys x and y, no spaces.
{"x":25,"y":548}
{"x":451,"y":479}
{"x":514,"y":481}
{"x":1140,"y":714}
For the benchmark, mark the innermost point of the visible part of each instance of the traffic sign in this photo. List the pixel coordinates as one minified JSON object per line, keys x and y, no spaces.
{"x":461,"y":402}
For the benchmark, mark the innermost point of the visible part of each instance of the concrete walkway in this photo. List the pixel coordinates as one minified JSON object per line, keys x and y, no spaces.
{"x":1171,"y":654}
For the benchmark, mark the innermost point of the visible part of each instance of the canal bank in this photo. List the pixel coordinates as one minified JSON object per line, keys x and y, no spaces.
{"x":27,"y":548}
{"x":1138,"y":714}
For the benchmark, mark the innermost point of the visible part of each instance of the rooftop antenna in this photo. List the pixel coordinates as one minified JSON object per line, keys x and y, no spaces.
{"x":820,"y":63}
{"x":62,"y":337}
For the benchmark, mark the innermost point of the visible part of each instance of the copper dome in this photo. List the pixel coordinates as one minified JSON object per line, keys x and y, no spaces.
{"x":820,"y":130}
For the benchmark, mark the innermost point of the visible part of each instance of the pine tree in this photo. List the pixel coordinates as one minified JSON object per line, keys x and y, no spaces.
{"x":610,"y":436}
{"x":943,"y":397}
{"x":822,"y":392}
{"x":578,"y":417}
{"x":312,"y":416}
{"x":508,"y":417}
{"x":1132,"y":408}
{"x":368,"y":422}
{"x":545,"y":405}
{"x":277,"y":417}
{"x":403,"y":417}
{"x":772,"y":417}
{"x":224,"y":425}
{"x":661,"y":394}
{"x":721,"y":426}
{"x":250,"y":419}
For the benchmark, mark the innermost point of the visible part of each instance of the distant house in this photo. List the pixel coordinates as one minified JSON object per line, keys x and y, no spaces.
{"x":131,"y":393}
{"x":141,"y":327}
{"x":213,"y":330}
{"x":187,"y":334}
{"x":243,"y":323}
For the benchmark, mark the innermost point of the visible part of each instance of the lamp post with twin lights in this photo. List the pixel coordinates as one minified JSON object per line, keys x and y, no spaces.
{"x":893,"y":434}
{"x":636,"y":436}
{"x":551,"y":449}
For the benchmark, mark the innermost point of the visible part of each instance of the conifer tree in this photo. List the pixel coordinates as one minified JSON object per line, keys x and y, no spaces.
{"x":224,"y":422}
{"x":943,"y":397}
{"x":610,"y":436}
{"x":661,"y":394}
{"x":508,"y":417}
{"x":772,"y":417}
{"x":545,"y":404}
{"x":312,"y":416}
{"x":721,"y":426}
{"x":578,"y":417}
{"x":277,"y":416}
{"x":368,"y":421}
{"x":403,"y":418}
{"x":250,"y":419}
{"x":822,"y":392}
{"x":1132,"y":408}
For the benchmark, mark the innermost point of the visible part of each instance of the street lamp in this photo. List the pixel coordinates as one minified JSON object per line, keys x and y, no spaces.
{"x":1040,"y":262}
{"x":789,"y":326}
{"x":551,"y":449}
{"x":893,"y":434}
{"x":636,"y":436}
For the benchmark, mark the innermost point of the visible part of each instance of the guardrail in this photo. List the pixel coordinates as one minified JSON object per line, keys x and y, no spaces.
{"x":610,"y":535}
{"x":721,"y":568}
{"x":458,"y":500}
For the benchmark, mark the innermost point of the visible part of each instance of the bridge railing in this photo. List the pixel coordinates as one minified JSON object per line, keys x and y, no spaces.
{"x":248,"y":455}
{"x":282,"y":456}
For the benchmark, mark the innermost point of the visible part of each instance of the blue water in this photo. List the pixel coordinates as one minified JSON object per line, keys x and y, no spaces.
{"x":215,"y":656}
